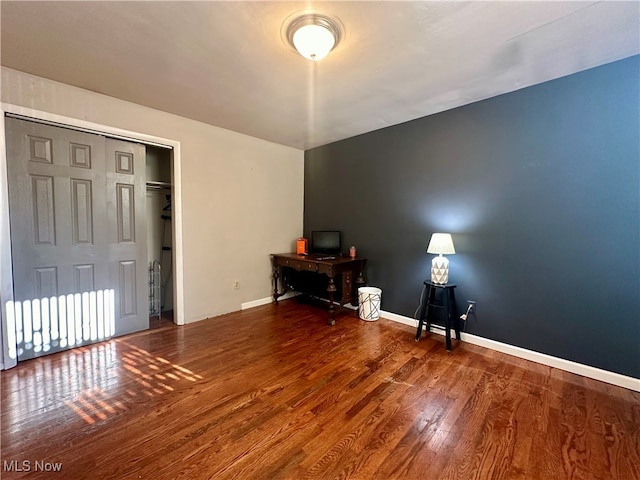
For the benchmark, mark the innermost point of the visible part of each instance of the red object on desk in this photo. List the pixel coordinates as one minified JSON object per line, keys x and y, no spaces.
{"x":302,"y":246}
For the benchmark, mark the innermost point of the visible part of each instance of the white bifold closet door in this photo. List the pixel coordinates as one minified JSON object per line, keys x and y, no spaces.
{"x":78,"y":237}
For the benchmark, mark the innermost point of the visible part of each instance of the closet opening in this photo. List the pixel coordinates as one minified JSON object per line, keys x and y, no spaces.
{"x":159,"y":165}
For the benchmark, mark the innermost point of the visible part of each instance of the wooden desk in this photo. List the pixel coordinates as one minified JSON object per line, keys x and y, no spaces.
{"x":316,"y":274}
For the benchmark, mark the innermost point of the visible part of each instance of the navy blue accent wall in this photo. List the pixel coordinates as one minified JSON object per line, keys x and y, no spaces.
{"x":540,"y":189}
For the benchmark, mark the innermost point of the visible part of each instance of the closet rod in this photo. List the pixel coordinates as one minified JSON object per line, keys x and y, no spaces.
{"x":158,"y":185}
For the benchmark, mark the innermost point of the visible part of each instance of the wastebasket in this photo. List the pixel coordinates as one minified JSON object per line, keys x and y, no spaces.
{"x":369,"y":303}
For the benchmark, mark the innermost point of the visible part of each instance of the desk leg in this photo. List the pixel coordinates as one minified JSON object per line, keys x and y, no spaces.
{"x":331,"y":289}
{"x":359,"y":283}
{"x":276,"y":276}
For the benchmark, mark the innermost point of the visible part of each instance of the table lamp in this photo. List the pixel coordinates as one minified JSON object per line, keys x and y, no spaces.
{"x":440,"y":243}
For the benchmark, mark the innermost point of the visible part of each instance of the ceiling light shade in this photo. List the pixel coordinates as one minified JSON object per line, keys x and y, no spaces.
{"x":313,"y":36}
{"x":313,"y":41}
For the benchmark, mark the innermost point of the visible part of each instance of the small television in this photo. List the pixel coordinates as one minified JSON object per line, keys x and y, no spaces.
{"x":326,"y":241}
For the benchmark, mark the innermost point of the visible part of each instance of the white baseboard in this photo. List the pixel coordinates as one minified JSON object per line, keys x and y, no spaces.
{"x":555,"y":362}
{"x":264,"y":301}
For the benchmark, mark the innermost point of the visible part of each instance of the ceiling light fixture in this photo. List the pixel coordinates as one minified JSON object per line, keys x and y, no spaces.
{"x":313,"y":35}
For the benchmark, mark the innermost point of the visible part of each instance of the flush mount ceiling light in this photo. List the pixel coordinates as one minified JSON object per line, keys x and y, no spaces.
{"x":313,"y":35}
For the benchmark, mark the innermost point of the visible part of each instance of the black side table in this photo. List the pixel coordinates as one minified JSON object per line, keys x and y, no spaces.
{"x":425,"y":315}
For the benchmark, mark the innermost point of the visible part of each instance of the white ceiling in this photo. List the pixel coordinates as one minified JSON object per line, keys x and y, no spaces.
{"x":227,"y":64}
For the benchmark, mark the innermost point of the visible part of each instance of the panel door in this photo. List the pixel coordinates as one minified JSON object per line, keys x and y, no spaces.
{"x":127,"y":235}
{"x":66,"y":288}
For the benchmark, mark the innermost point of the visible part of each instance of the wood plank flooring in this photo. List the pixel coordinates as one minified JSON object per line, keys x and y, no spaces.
{"x":274,"y":393}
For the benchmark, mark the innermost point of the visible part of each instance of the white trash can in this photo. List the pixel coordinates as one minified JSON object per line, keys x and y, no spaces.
{"x":369,"y":303}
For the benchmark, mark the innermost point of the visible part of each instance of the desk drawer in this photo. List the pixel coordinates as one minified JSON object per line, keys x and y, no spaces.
{"x":301,"y":265}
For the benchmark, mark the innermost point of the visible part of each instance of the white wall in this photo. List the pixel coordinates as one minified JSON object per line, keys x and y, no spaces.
{"x":241,"y":197}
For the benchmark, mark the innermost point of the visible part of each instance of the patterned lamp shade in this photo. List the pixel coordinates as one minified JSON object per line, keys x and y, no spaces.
{"x":440,"y":243}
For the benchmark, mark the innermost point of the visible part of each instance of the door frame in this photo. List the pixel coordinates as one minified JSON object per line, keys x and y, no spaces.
{"x":8,"y":356}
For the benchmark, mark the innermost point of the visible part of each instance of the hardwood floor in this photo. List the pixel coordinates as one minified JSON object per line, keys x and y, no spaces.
{"x":275,"y":393}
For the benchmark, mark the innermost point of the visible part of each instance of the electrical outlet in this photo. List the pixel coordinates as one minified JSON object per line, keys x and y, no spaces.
{"x":472,"y":305}
{"x":471,"y":310}
{"x":236,"y":285}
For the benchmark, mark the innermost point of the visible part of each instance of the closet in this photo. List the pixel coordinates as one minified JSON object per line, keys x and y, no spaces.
{"x":159,"y":232}
{"x":78,"y":237}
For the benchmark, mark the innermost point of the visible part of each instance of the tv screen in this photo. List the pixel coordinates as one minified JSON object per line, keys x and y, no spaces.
{"x":326,"y":241}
